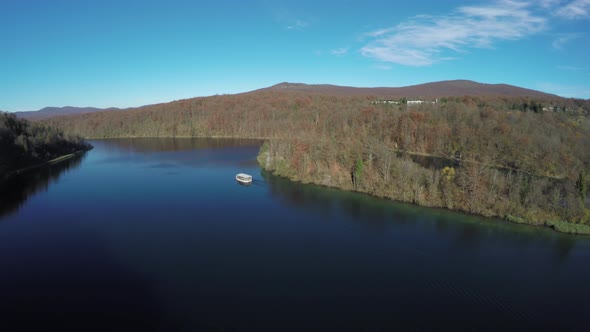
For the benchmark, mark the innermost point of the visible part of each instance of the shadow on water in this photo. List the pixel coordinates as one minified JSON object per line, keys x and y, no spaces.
{"x":46,"y":286}
{"x":15,"y":191}
{"x":467,"y":232}
{"x":460,"y":262}
{"x":171,"y":255}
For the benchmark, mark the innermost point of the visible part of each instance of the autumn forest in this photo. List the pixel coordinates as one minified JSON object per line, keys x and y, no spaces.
{"x":516,"y":158}
{"x":25,"y":144}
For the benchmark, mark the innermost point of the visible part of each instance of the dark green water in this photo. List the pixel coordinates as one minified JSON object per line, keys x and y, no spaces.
{"x":155,"y":234}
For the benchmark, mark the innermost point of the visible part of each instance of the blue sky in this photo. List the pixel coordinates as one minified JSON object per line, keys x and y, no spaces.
{"x":131,"y":53}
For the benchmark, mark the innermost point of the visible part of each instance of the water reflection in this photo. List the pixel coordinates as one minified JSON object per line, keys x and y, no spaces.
{"x":122,"y":242}
{"x":49,"y":284}
{"x":15,"y":191}
{"x":467,"y":232}
{"x":172,"y":152}
{"x":487,"y":269}
{"x":154,"y":144}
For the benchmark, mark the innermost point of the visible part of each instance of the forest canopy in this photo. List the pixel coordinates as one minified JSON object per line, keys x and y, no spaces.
{"x":511,"y":157}
{"x":23,"y":144}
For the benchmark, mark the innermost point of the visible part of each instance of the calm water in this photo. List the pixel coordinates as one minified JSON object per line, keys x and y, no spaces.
{"x":155,"y":234}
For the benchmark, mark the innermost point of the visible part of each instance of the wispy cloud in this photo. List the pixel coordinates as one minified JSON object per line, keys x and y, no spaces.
{"x":549,"y":3}
{"x":562,"y":39}
{"x":382,"y":67}
{"x":298,"y":24}
{"x":426,"y":39}
{"x":575,"y":9}
{"x":339,"y":51}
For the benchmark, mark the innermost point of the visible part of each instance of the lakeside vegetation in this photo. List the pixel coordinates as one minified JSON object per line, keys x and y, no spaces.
{"x":15,"y":190}
{"x":517,"y":158}
{"x":24,"y":144}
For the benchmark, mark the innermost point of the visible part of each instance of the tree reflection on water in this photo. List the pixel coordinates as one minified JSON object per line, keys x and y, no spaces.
{"x":15,"y":191}
{"x":468,"y":232}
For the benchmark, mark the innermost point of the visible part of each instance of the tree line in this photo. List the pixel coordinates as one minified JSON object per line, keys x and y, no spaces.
{"x":23,"y":144}
{"x":509,"y":157}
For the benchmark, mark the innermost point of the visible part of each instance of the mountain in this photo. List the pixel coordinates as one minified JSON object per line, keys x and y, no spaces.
{"x":49,"y":112}
{"x":427,"y":90}
{"x":455,"y":88}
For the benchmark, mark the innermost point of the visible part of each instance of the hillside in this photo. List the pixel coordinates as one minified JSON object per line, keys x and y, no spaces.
{"x":427,"y":90}
{"x":24,"y":144}
{"x":519,"y":158}
{"x":432,"y":90}
{"x":48,"y":112}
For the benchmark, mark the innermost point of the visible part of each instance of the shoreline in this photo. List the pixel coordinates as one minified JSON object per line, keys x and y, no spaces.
{"x":180,"y":137}
{"x":556,"y":225}
{"x":51,"y":162}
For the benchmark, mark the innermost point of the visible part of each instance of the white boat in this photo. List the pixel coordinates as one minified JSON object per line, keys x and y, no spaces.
{"x":243,"y":178}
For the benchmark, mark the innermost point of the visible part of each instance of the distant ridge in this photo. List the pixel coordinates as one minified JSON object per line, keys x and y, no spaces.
{"x":48,"y":112}
{"x":427,"y":90}
{"x":454,"y":88}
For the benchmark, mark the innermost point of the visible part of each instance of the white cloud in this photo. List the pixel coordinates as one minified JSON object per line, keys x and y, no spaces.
{"x":298,"y":25}
{"x":425,"y":39}
{"x":339,"y":51}
{"x":562,"y":39}
{"x":549,"y":3}
{"x":575,"y":9}
{"x":382,"y":67}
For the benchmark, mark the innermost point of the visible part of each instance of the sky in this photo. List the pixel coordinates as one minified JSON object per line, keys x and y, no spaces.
{"x":131,"y":53}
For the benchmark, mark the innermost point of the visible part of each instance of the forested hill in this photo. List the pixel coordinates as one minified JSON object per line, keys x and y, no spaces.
{"x":521,"y":158}
{"x":48,"y":112}
{"x":427,"y":90}
{"x":24,"y":144}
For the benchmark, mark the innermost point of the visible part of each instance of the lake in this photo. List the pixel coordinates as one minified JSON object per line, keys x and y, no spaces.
{"x":156,"y":235}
